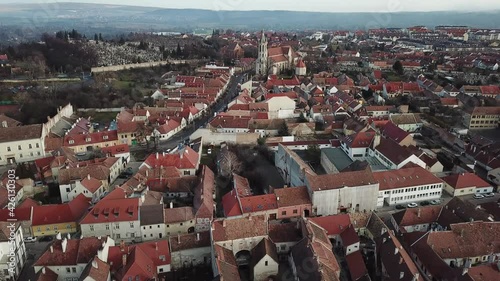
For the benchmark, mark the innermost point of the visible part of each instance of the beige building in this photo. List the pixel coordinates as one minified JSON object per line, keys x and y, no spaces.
{"x":21,"y":144}
{"x":483,"y":118}
{"x":179,"y":220}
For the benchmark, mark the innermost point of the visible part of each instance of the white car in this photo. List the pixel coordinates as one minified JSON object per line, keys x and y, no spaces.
{"x":478,"y":196}
{"x":491,"y":194}
{"x":436,"y":202}
{"x":29,"y":239}
{"x":412,"y":205}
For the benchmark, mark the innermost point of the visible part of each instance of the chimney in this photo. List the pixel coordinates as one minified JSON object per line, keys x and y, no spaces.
{"x":156,"y":246}
{"x":69,"y":236}
{"x":163,"y":153}
{"x":197,"y":236}
{"x":64,"y":245}
{"x":124,"y":260}
{"x":418,"y":212}
{"x":462,"y":232}
{"x":224,"y":223}
{"x":401,"y":275}
{"x":396,"y":251}
{"x":376,"y":140}
{"x":143,"y":197}
{"x":157,"y":155}
{"x":43,"y":270}
{"x":415,"y":277}
{"x":51,"y":249}
{"x":88,"y":176}
{"x":250,"y":217}
{"x":94,"y":264}
{"x":171,"y":205}
{"x":122,"y":246}
{"x":465,"y":270}
{"x":401,"y":260}
{"x":178,"y":238}
{"x":58,"y":236}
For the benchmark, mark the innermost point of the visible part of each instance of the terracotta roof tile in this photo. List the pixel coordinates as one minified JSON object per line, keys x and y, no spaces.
{"x":333,"y":181}
{"x":293,"y":196}
{"x":465,"y":180}
{"x":407,"y":176}
{"x":190,"y":241}
{"x":238,"y":228}
{"x":29,"y":132}
{"x":334,"y":225}
{"x":178,"y":215}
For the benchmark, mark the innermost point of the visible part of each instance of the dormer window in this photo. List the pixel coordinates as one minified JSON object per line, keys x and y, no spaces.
{"x":105,"y":137}
{"x":71,"y":141}
{"x":88,"y":139}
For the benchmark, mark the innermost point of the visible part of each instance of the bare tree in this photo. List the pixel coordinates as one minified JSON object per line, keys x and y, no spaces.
{"x":229,"y":163}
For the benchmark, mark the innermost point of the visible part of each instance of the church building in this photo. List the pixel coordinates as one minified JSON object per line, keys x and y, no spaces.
{"x":275,"y":60}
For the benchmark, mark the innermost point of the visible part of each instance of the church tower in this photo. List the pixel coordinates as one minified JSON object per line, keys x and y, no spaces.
{"x":262,"y":60}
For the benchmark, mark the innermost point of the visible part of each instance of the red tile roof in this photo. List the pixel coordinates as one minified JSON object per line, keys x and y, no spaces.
{"x":292,"y":196}
{"x":258,"y":203}
{"x":77,"y":251}
{"x":408,"y":176}
{"x":115,"y":210}
{"x":91,"y":184}
{"x":178,"y":215}
{"x":189,"y":159}
{"x":349,"y":236}
{"x":361,"y":139}
{"x":239,"y":228}
{"x":89,"y":139}
{"x":334,"y":225}
{"x":231,"y":205}
{"x":116,"y":149}
{"x":465,"y":180}
{"x":61,"y":213}
{"x":142,"y":260}
{"x":356,"y":265}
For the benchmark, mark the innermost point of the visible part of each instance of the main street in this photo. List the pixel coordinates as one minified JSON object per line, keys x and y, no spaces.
{"x":229,"y":94}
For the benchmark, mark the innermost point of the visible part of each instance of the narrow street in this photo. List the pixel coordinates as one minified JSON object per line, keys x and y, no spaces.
{"x":220,"y":105}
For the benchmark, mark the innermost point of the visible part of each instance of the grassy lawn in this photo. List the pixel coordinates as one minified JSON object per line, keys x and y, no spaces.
{"x":123,"y":85}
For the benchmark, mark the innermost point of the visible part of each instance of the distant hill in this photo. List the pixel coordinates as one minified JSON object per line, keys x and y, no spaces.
{"x":131,"y":17}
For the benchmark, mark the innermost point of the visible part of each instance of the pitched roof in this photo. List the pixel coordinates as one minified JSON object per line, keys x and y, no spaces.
{"x":189,"y":159}
{"x":238,"y":228}
{"x":334,"y":224}
{"x":96,"y":269}
{"x":465,"y":180}
{"x":151,"y":214}
{"x":406,"y":118}
{"x":46,"y":274}
{"x":292,"y":196}
{"x":258,"y":203}
{"x":356,"y":265}
{"x":414,"y":216}
{"x":349,"y":236}
{"x":77,"y":251}
{"x":113,"y":210}
{"x":178,"y":215}
{"x":407,"y":176}
{"x":60,"y":213}
{"x":393,"y":132}
{"x":393,"y":151}
{"x":263,"y":248}
{"x":190,"y":241}
{"x":28,"y":132}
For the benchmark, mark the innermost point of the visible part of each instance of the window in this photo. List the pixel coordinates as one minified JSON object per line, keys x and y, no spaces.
{"x":88,"y":139}
{"x":105,"y":137}
{"x":91,"y":227}
{"x":295,"y":211}
{"x":117,"y":226}
{"x":20,"y":155}
{"x":187,"y":173}
{"x":37,"y":145}
{"x":118,"y":236}
{"x":38,"y":153}
{"x":132,"y":224}
{"x":19,"y":147}
{"x":266,"y":263}
{"x":107,"y":226}
{"x":8,"y":148}
{"x":73,"y":269}
{"x":68,"y":270}
{"x":30,"y":146}
{"x":283,"y":213}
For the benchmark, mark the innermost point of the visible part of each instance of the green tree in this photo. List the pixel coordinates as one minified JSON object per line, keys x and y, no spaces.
{"x":283,"y":130}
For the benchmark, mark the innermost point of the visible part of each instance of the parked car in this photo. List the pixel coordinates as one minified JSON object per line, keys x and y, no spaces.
{"x":478,"y":196}
{"x":436,"y":202}
{"x":412,"y":205}
{"x":400,"y":207}
{"x":29,"y":239}
{"x":424,"y":203}
{"x":46,"y":239}
{"x":491,"y":194}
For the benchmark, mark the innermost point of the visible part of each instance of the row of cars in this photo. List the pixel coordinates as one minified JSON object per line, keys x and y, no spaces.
{"x":423,"y":203}
{"x":481,"y":196}
{"x":41,"y":239}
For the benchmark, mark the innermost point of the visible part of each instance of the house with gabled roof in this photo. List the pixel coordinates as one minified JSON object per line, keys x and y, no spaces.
{"x":58,"y":218}
{"x":117,"y":218}
{"x":68,"y":258}
{"x":264,"y":261}
{"x":142,"y":261}
{"x":466,"y":183}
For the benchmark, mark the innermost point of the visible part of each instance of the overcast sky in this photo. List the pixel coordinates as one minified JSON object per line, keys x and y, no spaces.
{"x":304,"y":5}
